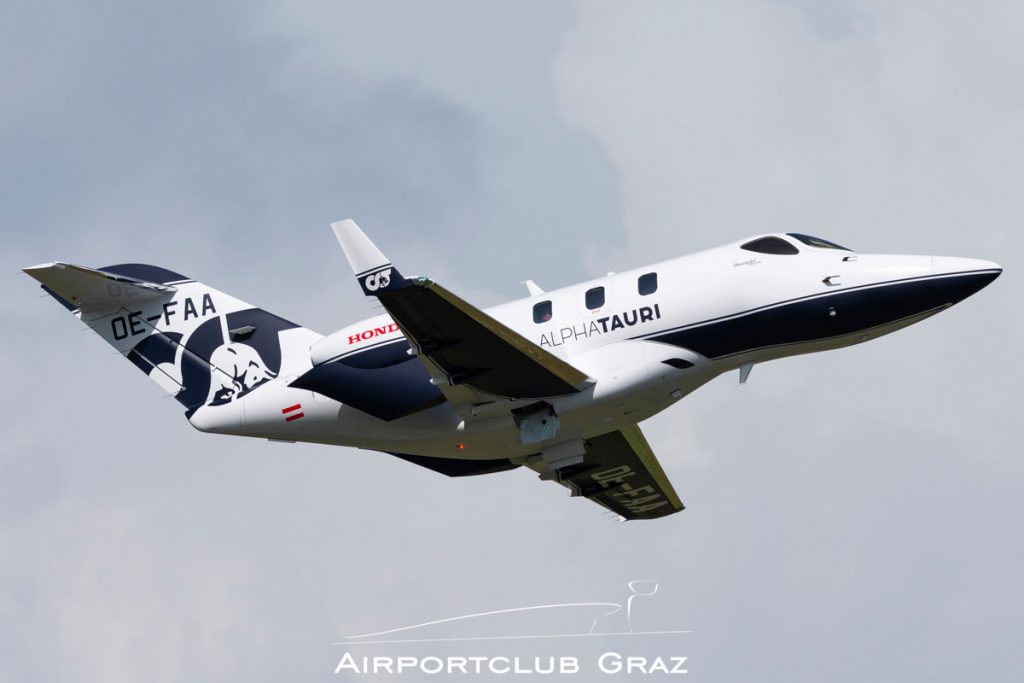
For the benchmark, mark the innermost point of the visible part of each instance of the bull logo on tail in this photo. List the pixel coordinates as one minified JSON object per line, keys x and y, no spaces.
{"x":236,"y":369}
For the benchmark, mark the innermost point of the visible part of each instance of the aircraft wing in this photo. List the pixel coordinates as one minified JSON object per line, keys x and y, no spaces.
{"x":621,"y":473}
{"x":460,"y":344}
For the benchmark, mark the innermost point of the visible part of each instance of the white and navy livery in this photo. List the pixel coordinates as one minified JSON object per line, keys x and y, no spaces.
{"x":556,"y":382}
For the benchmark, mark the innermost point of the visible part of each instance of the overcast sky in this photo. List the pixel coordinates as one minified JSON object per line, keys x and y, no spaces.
{"x":852,"y":515}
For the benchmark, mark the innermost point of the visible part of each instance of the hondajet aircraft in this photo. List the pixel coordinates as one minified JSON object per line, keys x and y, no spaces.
{"x":555,"y":382}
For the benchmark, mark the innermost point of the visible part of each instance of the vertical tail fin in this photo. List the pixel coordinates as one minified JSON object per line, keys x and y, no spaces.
{"x":201,"y":345}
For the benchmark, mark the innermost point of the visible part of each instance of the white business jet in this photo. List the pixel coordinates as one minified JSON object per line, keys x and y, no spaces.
{"x":555,"y":382}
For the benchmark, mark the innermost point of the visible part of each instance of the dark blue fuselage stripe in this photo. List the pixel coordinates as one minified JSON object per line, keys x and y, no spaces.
{"x":810,"y":319}
{"x":800,"y":342}
{"x":811,"y":297}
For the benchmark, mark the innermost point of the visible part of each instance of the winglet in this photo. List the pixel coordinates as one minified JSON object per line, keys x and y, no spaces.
{"x":373,"y":270}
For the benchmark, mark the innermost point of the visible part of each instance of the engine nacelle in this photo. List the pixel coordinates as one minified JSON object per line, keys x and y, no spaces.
{"x":355,"y":338}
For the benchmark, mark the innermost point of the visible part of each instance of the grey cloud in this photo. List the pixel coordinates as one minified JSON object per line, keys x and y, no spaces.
{"x":848,"y":513}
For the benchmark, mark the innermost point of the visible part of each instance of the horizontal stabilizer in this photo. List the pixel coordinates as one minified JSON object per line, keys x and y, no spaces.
{"x":81,"y":287}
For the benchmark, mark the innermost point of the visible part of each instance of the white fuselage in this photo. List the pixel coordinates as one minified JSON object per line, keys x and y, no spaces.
{"x":711,"y":312}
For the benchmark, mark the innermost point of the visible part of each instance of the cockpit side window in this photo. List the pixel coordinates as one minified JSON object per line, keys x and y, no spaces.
{"x":811,"y":241}
{"x":771,"y":245}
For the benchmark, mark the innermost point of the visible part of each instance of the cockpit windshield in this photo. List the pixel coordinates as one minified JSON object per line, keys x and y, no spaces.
{"x":771,"y":245}
{"x":816,"y":241}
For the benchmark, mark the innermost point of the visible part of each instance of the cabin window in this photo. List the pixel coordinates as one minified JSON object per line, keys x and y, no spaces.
{"x":647,"y":284}
{"x":771,"y":245}
{"x":816,"y":241}
{"x":542,"y":312}
{"x":595,"y":298}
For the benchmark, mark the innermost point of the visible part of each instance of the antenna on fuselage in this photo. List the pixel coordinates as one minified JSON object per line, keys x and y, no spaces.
{"x":745,"y":371}
{"x":533,"y":288}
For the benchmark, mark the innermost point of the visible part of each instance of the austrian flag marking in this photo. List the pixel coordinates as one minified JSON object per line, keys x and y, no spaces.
{"x":293,"y":413}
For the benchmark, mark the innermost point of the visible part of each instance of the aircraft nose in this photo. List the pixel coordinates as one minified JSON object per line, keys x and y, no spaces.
{"x":945,"y":265}
{"x":959,"y":278}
